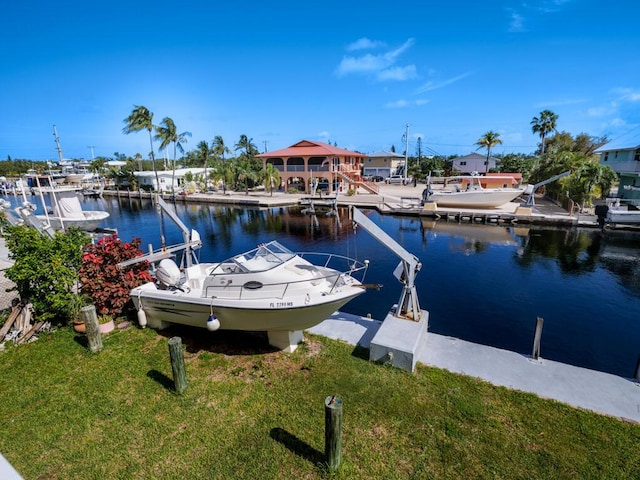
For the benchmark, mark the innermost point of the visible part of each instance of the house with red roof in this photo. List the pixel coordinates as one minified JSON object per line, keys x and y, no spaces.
{"x":333,"y":169}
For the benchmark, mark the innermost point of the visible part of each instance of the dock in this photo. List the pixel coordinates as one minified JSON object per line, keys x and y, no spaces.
{"x":578,"y":387}
{"x":391,"y":199}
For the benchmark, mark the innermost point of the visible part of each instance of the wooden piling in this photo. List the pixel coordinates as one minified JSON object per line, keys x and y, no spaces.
{"x":536,"y":339}
{"x":177,"y":364}
{"x":90,"y":318}
{"x":333,"y":431}
{"x":636,"y":375}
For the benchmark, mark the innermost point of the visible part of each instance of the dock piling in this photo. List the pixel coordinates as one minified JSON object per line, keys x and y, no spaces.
{"x":333,"y":431}
{"x":90,"y":318}
{"x":177,"y":364}
{"x":536,"y":339}
{"x":636,"y":375}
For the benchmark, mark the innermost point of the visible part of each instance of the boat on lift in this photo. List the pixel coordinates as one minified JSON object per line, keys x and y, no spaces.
{"x":268,"y":288}
{"x":470,"y":193}
{"x":622,"y":214}
{"x":66,"y":210}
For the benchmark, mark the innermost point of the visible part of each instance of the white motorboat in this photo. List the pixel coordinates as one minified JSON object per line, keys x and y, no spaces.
{"x":622,"y":214}
{"x":473,"y":195}
{"x":268,"y":289}
{"x":67,"y":210}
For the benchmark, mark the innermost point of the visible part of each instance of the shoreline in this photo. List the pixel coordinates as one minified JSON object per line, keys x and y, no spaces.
{"x":394,"y":200}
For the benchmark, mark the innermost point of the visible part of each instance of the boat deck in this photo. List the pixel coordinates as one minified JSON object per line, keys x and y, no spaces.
{"x":576,"y":386}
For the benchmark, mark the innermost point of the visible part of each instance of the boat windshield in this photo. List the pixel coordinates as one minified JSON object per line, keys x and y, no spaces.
{"x":265,"y":257}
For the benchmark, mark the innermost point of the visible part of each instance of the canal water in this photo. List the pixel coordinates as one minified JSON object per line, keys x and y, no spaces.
{"x":485,"y":284}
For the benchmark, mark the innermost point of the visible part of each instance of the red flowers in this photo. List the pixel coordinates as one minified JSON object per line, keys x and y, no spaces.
{"x":101,"y":279}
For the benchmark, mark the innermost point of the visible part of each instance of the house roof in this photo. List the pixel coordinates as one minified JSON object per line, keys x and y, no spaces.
{"x":385,"y":154}
{"x":476,"y":156}
{"x":307,"y":148}
{"x":618,"y":147}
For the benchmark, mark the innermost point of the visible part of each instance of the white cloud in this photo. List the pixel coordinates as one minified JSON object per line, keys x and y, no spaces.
{"x":364,"y":44}
{"x":431,"y":85}
{"x":398,"y":73}
{"x":517,"y":23}
{"x":627,"y":94}
{"x":378,"y":64}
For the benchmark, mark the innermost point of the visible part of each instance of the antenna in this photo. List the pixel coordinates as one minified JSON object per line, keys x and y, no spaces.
{"x":91,"y":147}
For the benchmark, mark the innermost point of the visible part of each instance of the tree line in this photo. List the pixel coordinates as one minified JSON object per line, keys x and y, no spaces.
{"x":237,"y":167}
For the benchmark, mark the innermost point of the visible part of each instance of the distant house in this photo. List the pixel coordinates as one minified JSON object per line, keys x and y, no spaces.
{"x":474,"y":162}
{"x":625,"y":161}
{"x":330,"y":167}
{"x":383,"y":164}
{"x":165,"y":177}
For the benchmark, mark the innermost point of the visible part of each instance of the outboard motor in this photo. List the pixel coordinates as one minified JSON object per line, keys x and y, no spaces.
{"x":168,"y":274}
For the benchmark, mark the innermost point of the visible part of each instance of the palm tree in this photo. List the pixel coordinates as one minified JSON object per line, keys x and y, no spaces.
{"x":488,"y":141}
{"x":167,"y":133}
{"x":544,"y":125}
{"x":219,"y":149}
{"x":247,"y":145}
{"x":142,"y":119}
{"x":271,"y":177}
{"x":204,"y":153}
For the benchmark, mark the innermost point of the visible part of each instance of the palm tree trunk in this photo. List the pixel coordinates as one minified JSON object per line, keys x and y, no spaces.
{"x":153,"y":161}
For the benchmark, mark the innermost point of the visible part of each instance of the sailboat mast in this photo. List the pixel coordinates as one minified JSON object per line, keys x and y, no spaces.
{"x":58,"y":147}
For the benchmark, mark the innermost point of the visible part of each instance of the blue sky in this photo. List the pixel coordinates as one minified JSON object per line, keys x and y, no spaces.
{"x":354,"y":73}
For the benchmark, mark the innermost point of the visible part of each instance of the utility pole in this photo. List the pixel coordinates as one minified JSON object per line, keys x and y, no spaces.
{"x":265,"y":145}
{"x":406,"y":152}
{"x":58,"y":147}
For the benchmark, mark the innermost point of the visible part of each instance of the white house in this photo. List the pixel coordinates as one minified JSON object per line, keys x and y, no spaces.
{"x":625,"y":161}
{"x":148,"y":178}
{"x":474,"y":162}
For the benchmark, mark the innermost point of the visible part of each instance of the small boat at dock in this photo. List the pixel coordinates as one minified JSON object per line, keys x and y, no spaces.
{"x":469,"y":192}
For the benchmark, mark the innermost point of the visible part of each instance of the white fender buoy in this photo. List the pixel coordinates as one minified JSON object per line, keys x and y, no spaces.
{"x":213,"y":323}
{"x":142,"y":318}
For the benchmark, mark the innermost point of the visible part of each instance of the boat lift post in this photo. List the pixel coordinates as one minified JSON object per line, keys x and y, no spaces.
{"x":531,"y":190}
{"x":408,"y":305}
{"x":398,"y":342}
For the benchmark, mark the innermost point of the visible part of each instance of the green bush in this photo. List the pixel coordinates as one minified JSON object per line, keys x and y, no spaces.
{"x":46,"y":270}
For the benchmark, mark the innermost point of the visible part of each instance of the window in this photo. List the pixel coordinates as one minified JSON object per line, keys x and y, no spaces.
{"x":606,"y":157}
{"x":462,"y":164}
{"x":636,"y":157}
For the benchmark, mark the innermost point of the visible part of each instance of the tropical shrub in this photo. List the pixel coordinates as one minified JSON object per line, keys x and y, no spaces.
{"x":45,"y":270}
{"x":106,"y":284}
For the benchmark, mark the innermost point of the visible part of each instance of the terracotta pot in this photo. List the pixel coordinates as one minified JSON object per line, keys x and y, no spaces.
{"x":79,"y":327}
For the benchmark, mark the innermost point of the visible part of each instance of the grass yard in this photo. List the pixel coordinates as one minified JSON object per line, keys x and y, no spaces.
{"x":253,"y":413}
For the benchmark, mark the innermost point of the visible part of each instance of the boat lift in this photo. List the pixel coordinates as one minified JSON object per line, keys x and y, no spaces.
{"x":408,"y":305}
{"x":191,"y":242}
{"x":531,"y":189}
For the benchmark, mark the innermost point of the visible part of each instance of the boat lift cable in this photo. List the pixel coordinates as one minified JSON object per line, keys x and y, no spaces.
{"x":408,"y":305}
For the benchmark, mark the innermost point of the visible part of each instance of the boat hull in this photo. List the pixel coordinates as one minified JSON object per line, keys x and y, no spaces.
{"x":475,"y":198}
{"x":165,"y":307}
{"x":89,"y":221}
{"x":626,"y":217}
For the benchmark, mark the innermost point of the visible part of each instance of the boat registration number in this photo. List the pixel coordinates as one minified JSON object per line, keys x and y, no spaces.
{"x":280,"y":304}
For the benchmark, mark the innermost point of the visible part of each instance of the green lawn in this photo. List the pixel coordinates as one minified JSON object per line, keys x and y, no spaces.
{"x":251,"y":412}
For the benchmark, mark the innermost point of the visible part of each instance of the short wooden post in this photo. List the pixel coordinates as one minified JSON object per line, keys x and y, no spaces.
{"x":90,"y":319}
{"x":333,"y":431}
{"x":636,"y":375}
{"x":177,"y":364}
{"x":536,"y":339}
